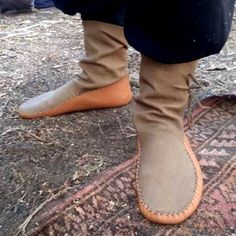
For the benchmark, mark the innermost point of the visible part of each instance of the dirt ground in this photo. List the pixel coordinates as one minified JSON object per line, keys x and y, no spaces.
{"x":40,"y":51}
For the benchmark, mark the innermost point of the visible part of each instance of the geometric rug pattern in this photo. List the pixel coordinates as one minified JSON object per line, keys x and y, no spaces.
{"x":108,"y":206}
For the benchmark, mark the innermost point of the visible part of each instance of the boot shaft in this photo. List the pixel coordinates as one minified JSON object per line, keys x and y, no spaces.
{"x":164,"y":93}
{"x":105,"y":59}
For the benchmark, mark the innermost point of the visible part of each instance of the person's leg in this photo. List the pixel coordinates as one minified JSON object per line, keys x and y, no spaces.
{"x":104,"y":79}
{"x":171,"y":36}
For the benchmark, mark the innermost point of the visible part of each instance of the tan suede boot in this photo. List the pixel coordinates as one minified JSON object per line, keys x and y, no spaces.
{"x":169,"y":181}
{"x":103,"y":83}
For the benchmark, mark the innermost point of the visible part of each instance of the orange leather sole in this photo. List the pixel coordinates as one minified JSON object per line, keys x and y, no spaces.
{"x":162,"y":218}
{"x":114,"y":95}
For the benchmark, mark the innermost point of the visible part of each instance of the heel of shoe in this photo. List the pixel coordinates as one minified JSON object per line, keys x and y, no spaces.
{"x":114,"y":95}
{"x":120,"y":93}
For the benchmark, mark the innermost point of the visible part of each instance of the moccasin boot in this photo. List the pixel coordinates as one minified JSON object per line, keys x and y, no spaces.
{"x":169,"y":181}
{"x":103,"y":83}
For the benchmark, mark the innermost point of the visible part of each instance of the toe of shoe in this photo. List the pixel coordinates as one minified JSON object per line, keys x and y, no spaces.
{"x":169,"y":218}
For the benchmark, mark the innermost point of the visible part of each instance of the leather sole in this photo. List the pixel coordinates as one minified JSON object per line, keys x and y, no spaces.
{"x":114,"y":95}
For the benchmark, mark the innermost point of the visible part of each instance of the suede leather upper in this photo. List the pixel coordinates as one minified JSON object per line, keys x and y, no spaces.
{"x":58,"y":102}
{"x":167,"y":180}
{"x":104,"y":66}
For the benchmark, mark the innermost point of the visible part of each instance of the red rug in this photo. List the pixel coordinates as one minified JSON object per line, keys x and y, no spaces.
{"x":109,"y":207}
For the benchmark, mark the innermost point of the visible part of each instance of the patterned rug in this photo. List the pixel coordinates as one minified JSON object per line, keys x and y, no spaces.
{"x":108,"y":206}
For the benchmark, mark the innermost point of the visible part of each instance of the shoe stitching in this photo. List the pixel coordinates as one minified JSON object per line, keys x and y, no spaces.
{"x":68,"y":100}
{"x":174,"y":214}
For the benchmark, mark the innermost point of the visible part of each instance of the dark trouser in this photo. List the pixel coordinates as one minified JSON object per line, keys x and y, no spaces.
{"x":166,"y":31}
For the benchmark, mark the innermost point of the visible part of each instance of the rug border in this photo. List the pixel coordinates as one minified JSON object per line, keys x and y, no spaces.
{"x":43,"y":219}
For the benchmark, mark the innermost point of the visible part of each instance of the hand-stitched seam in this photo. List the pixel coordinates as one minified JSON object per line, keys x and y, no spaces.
{"x":68,"y":100}
{"x":169,"y":215}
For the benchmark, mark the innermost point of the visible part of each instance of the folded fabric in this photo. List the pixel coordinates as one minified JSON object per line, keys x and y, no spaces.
{"x":43,"y":3}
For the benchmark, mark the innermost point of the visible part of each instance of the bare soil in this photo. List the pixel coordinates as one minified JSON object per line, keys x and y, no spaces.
{"x":40,"y":51}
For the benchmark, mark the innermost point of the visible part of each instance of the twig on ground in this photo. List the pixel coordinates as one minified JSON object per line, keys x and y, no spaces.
{"x":128,"y":135}
{"x":16,"y":190}
{"x":23,"y":196}
{"x":116,"y":138}
{"x":35,"y":136}
{"x":23,"y":226}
